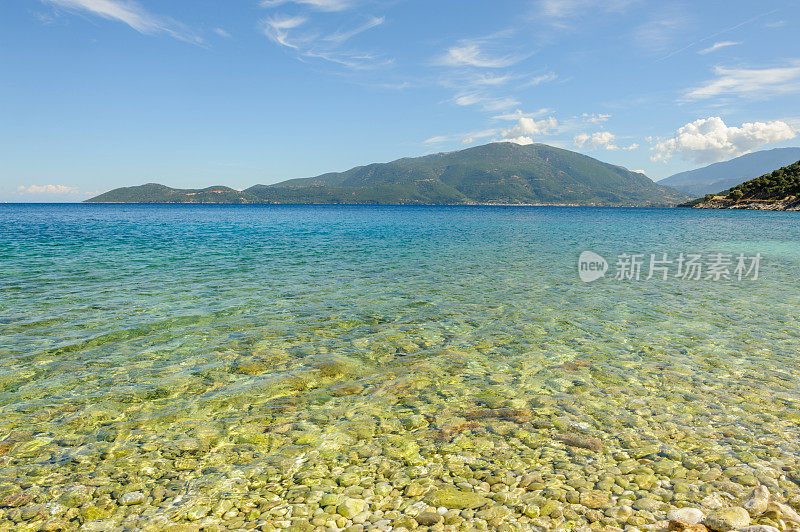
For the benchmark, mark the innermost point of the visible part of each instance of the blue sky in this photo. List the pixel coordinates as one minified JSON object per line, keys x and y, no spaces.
{"x":96,"y":94}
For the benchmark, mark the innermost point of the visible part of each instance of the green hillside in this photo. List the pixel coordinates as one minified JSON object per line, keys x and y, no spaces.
{"x":777,"y":185}
{"x":497,"y":173}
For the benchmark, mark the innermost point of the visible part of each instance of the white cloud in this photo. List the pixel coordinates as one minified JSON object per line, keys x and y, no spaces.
{"x":342,"y":36}
{"x":516,"y":115}
{"x":538,"y":80}
{"x":662,"y":29}
{"x":527,"y":128}
{"x":487,"y":103}
{"x":471,"y":54}
{"x":600,"y":140}
{"x":465,"y":138}
{"x":46,"y":189}
{"x":593,"y":118}
{"x":750,"y":82}
{"x":716,"y":46}
{"x":710,"y":140}
{"x":560,"y":9}
{"x":277,"y":29}
{"x":222,"y":33}
{"x":321,"y":5}
{"x":303,"y":33}
{"x":132,"y":14}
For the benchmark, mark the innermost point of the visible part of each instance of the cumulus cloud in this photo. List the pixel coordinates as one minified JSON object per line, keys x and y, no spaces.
{"x":716,"y":46}
{"x":130,"y":13}
{"x":600,"y":140}
{"x":710,"y":140}
{"x":527,"y":128}
{"x":750,"y":82}
{"x":46,"y":189}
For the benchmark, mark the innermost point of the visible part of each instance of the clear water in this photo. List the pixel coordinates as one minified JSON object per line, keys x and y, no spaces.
{"x":287,"y":339}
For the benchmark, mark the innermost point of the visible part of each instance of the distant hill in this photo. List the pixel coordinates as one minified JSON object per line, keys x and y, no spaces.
{"x":155,"y":193}
{"x":776,"y":191}
{"x":722,"y":176}
{"x":497,"y":173}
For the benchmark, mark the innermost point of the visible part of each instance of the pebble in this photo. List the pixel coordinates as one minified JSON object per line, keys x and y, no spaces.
{"x":727,"y":519}
{"x":690,"y":516}
{"x":757,"y":502}
{"x":452,"y":498}
{"x":351,"y":507}
{"x":428,"y":518}
{"x":132,"y":497}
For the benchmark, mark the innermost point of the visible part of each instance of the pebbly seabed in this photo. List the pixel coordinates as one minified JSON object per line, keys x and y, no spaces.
{"x":388,"y":368}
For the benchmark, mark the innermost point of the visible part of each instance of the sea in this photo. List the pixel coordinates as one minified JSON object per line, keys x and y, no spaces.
{"x":317,"y":367}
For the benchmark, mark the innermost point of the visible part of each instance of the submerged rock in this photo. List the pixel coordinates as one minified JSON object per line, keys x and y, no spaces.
{"x":690,"y":516}
{"x":581,"y":440}
{"x":727,"y":519}
{"x":456,"y":499}
{"x":757,"y":502}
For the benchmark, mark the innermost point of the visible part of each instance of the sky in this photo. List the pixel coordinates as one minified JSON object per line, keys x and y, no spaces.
{"x":98,"y":94}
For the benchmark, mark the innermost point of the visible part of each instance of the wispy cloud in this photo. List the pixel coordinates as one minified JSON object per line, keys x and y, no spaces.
{"x":716,"y":46}
{"x":595,"y":118}
{"x":345,"y":35}
{"x":222,"y":33}
{"x":717,"y":34}
{"x":47,"y":189}
{"x":561,"y":9}
{"x":487,"y":103}
{"x":472,"y":54}
{"x":130,"y":13}
{"x":660,"y":32}
{"x":321,"y":5}
{"x":304,"y":34}
{"x":516,"y":115}
{"x":749,"y":82}
{"x":709,"y":140}
{"x":277,"y":29}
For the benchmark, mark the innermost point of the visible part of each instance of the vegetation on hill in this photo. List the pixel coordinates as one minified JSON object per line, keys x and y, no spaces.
{"x":776,"y":191}
{"x":497,"y":173}
{"x":773,"y":186}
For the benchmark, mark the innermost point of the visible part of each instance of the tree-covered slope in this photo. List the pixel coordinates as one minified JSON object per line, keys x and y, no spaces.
{"x":498,"y":173}
{"x":777,"y":190}
{"x":494,"y":173}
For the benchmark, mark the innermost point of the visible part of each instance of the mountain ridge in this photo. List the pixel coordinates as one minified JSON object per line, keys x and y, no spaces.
{"x":723,"y":175}
{"x":496,"y":173}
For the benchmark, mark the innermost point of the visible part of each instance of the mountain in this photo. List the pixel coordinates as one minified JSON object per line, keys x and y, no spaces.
{"x":722,"y":176}
{"x":776,"y":191}
{"x":497,"y":173}
{"x":155,"y":193}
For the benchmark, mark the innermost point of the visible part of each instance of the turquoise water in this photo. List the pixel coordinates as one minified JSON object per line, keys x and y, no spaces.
{"x":198,"y":354}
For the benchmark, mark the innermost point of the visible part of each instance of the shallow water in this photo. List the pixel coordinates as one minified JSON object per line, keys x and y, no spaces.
{"x":268,"y":355}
